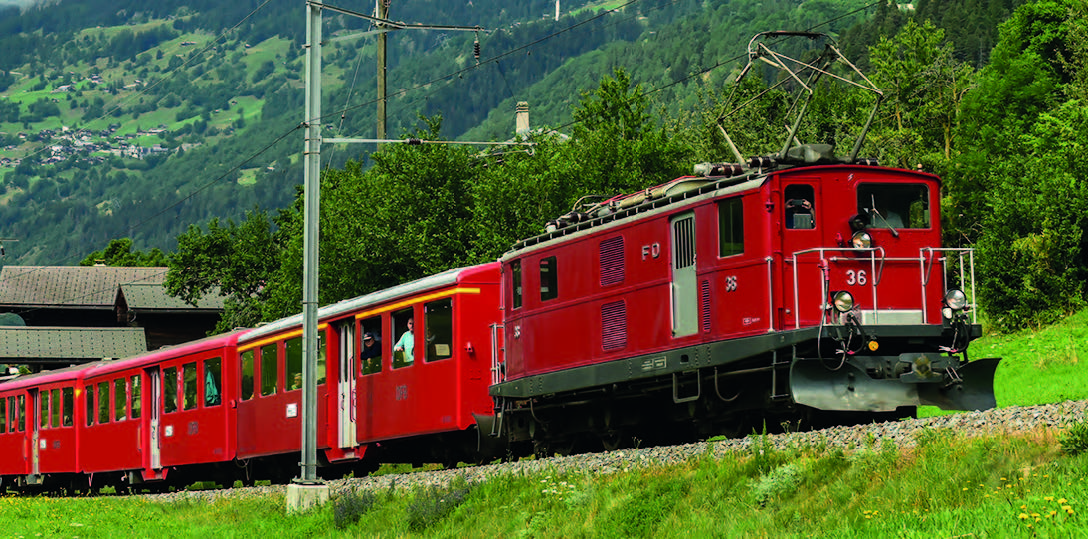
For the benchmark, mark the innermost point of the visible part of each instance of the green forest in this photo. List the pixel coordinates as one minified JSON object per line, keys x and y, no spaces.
{"x":987,"y":94}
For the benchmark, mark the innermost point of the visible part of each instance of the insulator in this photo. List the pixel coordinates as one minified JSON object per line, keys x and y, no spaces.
{"x":476,"y":49}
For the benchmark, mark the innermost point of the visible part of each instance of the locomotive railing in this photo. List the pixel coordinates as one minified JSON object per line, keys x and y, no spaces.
{"x":497,"y":374}
{"x":964,"y":271}
{"x":824,"y":268}
{"x":963,"y":258}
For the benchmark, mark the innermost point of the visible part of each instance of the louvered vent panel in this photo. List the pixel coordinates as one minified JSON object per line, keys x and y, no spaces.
{"x":704,"y":305}
{"x":683,"y":236}
{"x":614,"y":325}
{"x":612,"y":270}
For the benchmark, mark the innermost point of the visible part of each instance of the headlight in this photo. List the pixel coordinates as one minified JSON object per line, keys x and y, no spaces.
{"x":955,"y":299}
{"x":861,"y":240}
{"x":842,"y":301}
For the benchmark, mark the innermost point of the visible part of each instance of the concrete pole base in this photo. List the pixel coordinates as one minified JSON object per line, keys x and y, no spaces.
{"x":301,"y":497}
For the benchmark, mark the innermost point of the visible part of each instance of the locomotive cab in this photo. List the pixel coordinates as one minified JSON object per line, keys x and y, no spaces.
{"x":867,"y":271}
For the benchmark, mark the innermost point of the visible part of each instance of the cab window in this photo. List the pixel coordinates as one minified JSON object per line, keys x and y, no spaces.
{"x":800,"y":207}
{"x":515,"y":280}
{"x":549,"y":279}
{"x":894,"y":206}
{"x":731,"y":227}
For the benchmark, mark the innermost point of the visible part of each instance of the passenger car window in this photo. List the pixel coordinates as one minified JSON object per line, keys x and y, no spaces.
{"x":247,"y":375}
{"x":438,"y":333}
{"x":370,"y":349}
{"x":212,"y":379}
{"x":404,"y":349}
{"x":135,"y":403}
{"x":68,"y":405}
{"x":293,"y":364}
{"x":88,"y":392}
{"x":103,"y":403}
{"x":188,"y":375}
{"x":269,"y":370}
{"x":170,"y":390}
{"x":120,"y":400}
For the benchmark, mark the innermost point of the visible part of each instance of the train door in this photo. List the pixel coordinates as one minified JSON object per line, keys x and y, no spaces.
{"x":685,"y":294}
{"x":36,"y":443}
{"x":155,"y":449}
{"x":800,"y":234}
{"x":346,"y":385}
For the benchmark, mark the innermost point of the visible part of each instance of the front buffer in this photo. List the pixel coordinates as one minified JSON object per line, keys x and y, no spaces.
{"x":884,"y":383}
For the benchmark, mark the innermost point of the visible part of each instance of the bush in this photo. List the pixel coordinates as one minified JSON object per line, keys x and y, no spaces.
{"x":350,"y":507}
{"x":432,"y":505}
{"x":1074,"y":440}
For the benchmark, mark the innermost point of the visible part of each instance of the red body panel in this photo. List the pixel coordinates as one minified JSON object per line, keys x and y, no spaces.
{"x":740,"y":295}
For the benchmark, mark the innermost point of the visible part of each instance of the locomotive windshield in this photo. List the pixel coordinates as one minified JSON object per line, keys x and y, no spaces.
{"x":894,"y":206}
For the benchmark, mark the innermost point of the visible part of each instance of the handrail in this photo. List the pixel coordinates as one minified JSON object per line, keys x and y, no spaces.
{"x":823,"y":282}
{"x":959,"y":252}
{"x":496,"y":365}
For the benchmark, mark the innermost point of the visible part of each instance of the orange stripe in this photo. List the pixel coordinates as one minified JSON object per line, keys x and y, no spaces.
{"x":407,"y":302}
{"x":279,"y":337}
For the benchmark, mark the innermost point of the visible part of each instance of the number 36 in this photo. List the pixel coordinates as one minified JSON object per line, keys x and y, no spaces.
{"x":855,"y":277}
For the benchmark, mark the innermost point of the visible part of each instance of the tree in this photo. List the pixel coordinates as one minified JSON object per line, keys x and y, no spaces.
{"x":1031,"y":198}
{"x":236,"y":259}
{"x":119,"y":253}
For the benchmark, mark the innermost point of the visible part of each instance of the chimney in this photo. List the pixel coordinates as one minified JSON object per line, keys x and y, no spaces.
{"x":521,"y":125}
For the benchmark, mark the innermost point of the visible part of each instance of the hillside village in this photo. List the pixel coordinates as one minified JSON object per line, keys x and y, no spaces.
{"x":93,"y":145}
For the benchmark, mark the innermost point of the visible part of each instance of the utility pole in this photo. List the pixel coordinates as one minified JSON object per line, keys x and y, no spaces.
{"x":381,"y":11}
{"x":307,"y":490}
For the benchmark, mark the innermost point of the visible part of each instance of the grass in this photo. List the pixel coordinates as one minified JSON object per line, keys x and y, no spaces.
{"x":1037,"y":366}
{"x":998,"y":486}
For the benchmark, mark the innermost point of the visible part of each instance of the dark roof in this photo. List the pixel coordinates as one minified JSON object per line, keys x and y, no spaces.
{"x":70,"y":286}
{"x":152,"y":296}
{"x":60,"y":343}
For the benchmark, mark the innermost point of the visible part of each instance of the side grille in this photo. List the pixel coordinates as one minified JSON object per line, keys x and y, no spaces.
{"x":614,"y":325}
{"x":612,"y":269}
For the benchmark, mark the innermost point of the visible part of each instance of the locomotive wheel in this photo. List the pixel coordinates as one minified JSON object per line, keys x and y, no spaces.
{"x":614,"y":440}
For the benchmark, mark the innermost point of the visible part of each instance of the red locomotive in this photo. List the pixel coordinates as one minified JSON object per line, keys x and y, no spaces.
{"x":783,"y":287}
{"x":795,"y":286}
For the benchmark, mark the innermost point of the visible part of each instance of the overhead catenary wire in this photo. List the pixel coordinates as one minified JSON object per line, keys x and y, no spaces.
{"x":495,"y":58}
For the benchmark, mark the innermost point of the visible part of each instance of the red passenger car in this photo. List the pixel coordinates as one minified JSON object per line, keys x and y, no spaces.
{"x":38,"y":435}
{"x":165,"y":410}
{"x":416,"y":398}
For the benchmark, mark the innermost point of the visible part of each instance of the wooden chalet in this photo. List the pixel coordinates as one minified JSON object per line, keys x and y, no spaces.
{"x":85,"y":313}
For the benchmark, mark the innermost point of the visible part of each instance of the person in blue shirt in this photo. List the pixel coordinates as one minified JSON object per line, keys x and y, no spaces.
{"x":407,"y":343}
